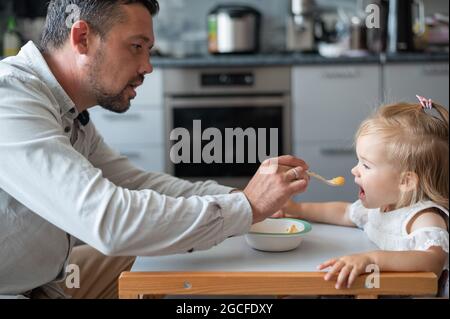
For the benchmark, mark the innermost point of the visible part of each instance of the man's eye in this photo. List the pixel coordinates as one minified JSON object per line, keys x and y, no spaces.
{"x":137,"y":46}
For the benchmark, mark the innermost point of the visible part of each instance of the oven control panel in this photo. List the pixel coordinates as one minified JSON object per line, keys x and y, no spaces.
{"x":227,"y":79}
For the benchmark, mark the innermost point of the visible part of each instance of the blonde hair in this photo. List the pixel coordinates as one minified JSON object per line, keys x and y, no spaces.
{"x":416,"y":141}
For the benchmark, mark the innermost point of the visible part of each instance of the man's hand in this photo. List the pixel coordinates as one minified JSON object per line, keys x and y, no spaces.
{"x":274,"y":183}
{"x":291,"y":209}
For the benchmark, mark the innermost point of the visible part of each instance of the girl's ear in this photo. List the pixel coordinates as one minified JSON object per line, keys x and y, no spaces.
{"x":408,"y":182}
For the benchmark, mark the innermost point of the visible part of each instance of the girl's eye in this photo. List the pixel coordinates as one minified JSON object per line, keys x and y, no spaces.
{"x":365,"y":166}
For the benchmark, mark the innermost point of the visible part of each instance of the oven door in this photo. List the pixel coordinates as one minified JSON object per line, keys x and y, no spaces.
{"x":229,"y":112}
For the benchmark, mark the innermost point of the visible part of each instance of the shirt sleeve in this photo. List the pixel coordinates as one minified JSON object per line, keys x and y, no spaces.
{"x":426,"y":237}
{"x":358,"y":214}
{"x":40,"y":168}
{"x":122,"y":172}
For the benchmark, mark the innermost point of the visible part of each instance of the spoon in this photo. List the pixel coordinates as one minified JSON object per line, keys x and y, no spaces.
{"x":337,"y":181}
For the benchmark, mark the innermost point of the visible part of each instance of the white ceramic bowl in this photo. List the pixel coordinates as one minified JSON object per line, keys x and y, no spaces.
{"x":272,"y":234}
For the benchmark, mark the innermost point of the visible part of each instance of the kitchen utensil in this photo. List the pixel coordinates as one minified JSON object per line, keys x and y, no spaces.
{"x":304,"y":26}
{"x":377,"y":36}
{"x":358,"y":34}
{"x":337,"y":181}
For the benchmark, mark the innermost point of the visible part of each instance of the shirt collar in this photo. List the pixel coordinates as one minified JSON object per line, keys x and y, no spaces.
{"x":37,"y":63}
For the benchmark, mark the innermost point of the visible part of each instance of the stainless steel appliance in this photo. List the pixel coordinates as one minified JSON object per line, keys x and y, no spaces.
{"x":403,"y":15}
{"x":358,"y":34}
{"x":233,"y":29}
{"x":304,"y":26}
{"x":377,"y":37}
{"x":246,"y":98}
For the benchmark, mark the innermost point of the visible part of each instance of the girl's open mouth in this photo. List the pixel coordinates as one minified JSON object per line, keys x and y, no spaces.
{"x":362,"y":194}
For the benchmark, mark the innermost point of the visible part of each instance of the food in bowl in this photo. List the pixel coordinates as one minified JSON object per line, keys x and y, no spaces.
{"x":277,"y":234}
{"x":292,"y":229}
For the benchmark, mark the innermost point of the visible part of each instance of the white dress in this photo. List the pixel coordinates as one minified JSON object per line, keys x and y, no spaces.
{"x":389,"y":230}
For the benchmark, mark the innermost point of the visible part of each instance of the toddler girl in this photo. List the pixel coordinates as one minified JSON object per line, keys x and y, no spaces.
{"x":403,"y":180}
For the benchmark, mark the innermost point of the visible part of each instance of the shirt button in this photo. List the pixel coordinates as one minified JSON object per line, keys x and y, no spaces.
{"x":67,"y":129}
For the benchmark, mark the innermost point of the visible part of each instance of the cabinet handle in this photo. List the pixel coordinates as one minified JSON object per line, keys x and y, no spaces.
{"x":338,"y":151}
{"x":348,"y":74}
{"x":128,"y":117}
{"x":435,"y":70}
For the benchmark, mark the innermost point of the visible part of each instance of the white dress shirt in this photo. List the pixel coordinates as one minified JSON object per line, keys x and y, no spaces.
{"x":59,"y":181}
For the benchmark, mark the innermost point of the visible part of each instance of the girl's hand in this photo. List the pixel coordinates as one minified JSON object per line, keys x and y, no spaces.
{"x":290,"y":210}
{"x":346,"y":268}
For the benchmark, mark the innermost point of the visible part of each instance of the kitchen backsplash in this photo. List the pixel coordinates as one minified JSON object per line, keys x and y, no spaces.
{"x":181,"y":25}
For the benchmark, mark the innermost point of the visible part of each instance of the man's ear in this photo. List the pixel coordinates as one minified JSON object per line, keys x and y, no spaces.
{"x":79,"y":36}
{"x":408,"y":181}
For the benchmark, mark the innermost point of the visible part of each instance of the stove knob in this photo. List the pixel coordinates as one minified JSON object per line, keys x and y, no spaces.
{"x":223,"y":78}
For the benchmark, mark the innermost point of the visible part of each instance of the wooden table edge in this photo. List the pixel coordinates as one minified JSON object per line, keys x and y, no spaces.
{"x":135,"y":285}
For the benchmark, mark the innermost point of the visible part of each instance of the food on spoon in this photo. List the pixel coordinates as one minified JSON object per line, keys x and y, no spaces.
{"x":338,"y":181}
{"x":292,"y":229}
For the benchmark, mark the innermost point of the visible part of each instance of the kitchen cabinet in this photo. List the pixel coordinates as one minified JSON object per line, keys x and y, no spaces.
{"x":139,"y":125}
{"x":329,"y":159}
{"x":151,"y":93}
{"x":145,"y":156}
{"x":402,"y":81}
{"x":329,"y":103}
{"x":138,"y":133}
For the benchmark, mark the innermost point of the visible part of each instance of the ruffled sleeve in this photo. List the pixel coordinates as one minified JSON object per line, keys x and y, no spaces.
{"x":427,"y":237}
{"x":358,"y":214}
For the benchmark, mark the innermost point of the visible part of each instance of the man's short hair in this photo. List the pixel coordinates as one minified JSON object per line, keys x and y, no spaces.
{"x":101,"y":15}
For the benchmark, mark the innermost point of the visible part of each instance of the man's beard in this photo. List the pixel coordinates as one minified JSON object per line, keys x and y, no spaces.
{"x":117,"y":103}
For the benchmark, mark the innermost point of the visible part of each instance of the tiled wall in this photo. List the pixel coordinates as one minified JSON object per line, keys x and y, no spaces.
{"x":181,"y":24}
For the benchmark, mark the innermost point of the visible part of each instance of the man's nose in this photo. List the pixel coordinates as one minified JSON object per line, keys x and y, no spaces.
{"x":146,"y":67}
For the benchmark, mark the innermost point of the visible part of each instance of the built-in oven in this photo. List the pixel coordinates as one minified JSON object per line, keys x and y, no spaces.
{"x":221,"y":123}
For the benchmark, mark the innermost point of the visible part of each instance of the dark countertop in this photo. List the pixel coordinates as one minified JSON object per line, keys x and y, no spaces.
{"x":281,"y":59}
{"x":285,"y":59}
{"x":416,"y":57}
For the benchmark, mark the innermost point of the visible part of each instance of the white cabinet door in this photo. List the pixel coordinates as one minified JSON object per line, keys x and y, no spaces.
{"x":329,"y":160}
{"x":151,"y":92}
{"x":142,"y":123}
{"x":403,"y":81}
{"x":138,"y":133}
{"x":132,"y":127}
{"x":329,"y":102}
{"x":147,"y":157}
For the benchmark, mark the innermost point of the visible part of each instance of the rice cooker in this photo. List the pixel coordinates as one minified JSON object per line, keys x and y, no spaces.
{"x":233,"y":29}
